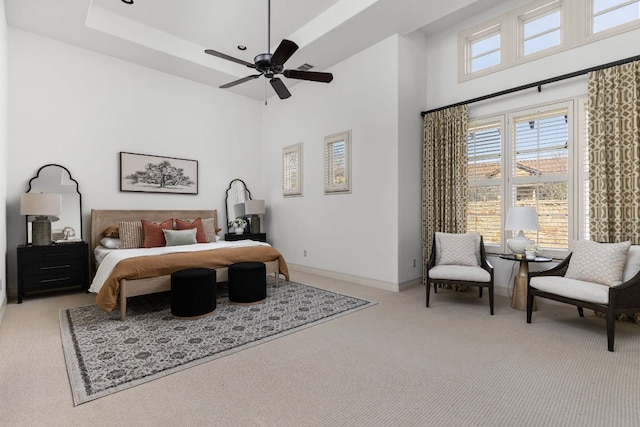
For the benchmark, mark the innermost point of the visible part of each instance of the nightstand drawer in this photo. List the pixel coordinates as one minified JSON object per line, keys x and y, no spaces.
{"x":53,"y":255}
{"x":59,"y":279}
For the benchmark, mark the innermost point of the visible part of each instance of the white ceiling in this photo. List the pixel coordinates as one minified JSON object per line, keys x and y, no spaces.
{"x":171,"y":35}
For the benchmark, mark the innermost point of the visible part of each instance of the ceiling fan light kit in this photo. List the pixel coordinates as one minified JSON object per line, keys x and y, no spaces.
{"x":270,"y":65}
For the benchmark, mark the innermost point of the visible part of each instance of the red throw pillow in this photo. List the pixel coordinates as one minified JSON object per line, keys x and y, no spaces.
{"x":153,"y":235}
{"x":201,"y":237}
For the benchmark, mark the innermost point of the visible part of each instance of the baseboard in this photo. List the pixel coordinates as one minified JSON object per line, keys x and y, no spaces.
{"x":359,"y":280}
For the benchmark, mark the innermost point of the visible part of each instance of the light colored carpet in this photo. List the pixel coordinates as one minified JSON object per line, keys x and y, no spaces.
{"x":397,"y":363}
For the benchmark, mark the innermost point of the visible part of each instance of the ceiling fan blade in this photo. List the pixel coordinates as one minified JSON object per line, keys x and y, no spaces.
{"x":242,"y":80}
{"x":285,"y":49}
{"x":280,"y":88}
{"x":229,"y":58}
{"x":314,"y":76}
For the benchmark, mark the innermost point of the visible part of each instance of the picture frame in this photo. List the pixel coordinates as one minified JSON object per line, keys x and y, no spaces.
{"x":146,"y":173}
{"x":337,"y":163}
{"x":292,"y":170}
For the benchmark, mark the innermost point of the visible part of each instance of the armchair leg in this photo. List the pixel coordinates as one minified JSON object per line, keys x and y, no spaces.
{"x":580,"y":311}
{"x":529,"y":306}
{"x":480,"y":291}
{"x":611,"y":329}
{"x":428,"y":291}
{"x":490,"y":298}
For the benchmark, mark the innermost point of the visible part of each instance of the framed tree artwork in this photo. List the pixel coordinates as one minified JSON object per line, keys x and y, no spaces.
{"x":292,"y":170}
{"x":337,"y":163}
{"x":156,"y":174}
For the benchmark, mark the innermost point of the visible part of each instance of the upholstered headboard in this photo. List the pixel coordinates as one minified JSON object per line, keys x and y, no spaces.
{"x":101,"y":219}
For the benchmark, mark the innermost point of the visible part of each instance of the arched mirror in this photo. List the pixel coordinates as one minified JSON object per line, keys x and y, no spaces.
{"x":53,"y":178}
{"x":236,"y":193}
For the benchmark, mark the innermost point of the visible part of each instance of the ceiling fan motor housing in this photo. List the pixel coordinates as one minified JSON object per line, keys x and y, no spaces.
{"x":264,"y":65}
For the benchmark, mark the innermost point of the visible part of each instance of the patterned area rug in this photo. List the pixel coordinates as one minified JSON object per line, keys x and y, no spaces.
{"x":105,"y":355}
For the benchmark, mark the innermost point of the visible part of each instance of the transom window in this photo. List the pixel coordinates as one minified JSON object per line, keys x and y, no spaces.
{"x":485,"y":50}
{"x":612,"y":13}
{"x":541,"y":28}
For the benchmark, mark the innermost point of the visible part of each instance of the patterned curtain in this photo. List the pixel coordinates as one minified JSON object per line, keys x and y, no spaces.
{"x":614,"y":157}
{"x":444,"y":176}
{"x":614,"y":154}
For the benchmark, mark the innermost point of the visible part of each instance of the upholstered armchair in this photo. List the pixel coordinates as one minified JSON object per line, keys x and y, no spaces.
{"x":603,"y":277}
{"x":459,"y":259}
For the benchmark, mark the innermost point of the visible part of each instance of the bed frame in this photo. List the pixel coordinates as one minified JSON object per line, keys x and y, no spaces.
{"x":101,"y":219}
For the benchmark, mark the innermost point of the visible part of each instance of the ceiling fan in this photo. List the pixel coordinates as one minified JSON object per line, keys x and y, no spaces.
{"x":271,"y":64}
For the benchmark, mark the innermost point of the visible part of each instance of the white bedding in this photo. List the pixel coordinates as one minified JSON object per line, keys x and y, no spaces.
{"x":111,"y":257}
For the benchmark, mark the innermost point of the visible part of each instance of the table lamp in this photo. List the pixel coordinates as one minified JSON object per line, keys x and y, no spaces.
{"x":43,"y":207}
{"x":521,"y":218}
{"x":254,"y":208}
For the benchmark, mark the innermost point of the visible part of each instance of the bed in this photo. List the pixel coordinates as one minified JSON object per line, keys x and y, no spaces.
{"x":141,"y":275}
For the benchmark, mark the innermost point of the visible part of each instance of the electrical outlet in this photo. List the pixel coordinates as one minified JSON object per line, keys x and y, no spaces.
{"x":305,"y":252}
{"x":414,"y":263}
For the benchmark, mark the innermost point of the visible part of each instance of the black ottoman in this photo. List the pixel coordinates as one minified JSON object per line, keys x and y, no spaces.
{"x":193,"y":292}
{"x":247,"y":282}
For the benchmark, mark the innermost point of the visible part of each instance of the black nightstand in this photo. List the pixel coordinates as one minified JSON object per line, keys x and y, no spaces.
{"x":52,"y":267}
{"x":232,"y":237}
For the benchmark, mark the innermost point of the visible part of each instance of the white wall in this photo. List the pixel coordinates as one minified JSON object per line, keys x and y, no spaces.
{"x":354,"y":235}
{"x":412,"y":65}
{"x":80,"y":109}
{"x":3,"y":157}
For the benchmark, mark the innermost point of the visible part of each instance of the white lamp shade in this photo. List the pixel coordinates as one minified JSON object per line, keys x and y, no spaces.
{"x":522,"y":218}
{"x":254,"y":207}
{"x":40,"y":204}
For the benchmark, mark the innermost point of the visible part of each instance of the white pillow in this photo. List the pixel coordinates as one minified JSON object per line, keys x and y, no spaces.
{"x":110,"y":242}
{"x":458,"y":249}
{"x":180,"y":237}
{"x":595,"y":262}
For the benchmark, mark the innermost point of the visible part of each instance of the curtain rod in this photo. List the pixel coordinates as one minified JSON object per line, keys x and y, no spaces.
{"x":537,"y":84}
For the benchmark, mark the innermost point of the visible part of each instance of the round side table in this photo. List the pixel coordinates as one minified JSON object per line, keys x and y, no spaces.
{"x":519,"y":294}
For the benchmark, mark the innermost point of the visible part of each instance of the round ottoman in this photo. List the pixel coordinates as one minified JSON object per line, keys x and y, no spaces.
{"x":193,"y":292}
{"x":247,"y":282}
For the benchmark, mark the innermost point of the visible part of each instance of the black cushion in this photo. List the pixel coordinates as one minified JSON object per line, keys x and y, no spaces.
{"x":193,"y":292}
{"x":247,"y":282}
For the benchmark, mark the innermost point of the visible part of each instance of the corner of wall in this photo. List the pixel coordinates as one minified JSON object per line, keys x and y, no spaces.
{"x":3,"y":157}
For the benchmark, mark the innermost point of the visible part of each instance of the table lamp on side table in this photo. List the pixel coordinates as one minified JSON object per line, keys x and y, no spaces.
{"x":252,"y":209}
{"x":44,"y":207}
{"x":521,"y":218}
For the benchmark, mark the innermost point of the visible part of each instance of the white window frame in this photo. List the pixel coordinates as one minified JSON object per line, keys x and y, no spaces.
{"x":532,"y":14}
{"x":331,"y":187}
{"x":468,"y":38}
{"x":575,"y":178}
{"x":618,"y":29}
{"x":292,"y":186}
{"x":574,"y":32}
{"x":479,"y":123}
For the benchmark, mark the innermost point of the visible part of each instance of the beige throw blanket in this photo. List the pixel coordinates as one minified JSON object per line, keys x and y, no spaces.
{"x":161,"y":265}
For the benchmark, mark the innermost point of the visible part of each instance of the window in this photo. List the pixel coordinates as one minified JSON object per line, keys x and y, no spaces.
{"x":485,"y":50}
{"x":482,"y":48}
{"x":607,"y":14}
{"x":292,"y":170}
{"x":539,"y":171}
{"x":525,"y":158}
{"x":540,"y":29}
{"x":337,"y":163}
{"x":484,"y":153}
